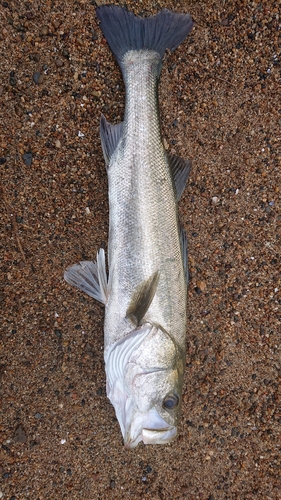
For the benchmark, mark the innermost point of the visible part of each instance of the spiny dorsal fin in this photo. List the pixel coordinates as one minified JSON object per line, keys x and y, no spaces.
{"x":180,"y":170}
{"x":90,"y":277}
{"x":142,"y":299}
{"x":110,"y":135}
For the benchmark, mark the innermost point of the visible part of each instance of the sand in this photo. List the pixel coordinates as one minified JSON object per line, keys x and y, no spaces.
{"x":220,"y":106}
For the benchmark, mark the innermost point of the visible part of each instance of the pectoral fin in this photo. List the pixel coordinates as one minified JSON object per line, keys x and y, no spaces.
{"x":180,"y":170}
{"x":90,"y":277}
{"x":110,"y":136}
{"x":142,"y":299}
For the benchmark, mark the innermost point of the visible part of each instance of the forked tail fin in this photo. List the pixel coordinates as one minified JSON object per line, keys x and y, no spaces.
{"x":124,"y":31}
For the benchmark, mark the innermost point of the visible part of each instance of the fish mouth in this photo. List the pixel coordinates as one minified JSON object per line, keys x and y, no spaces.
{"x":153,"y":436}
{"x":151,"y":429}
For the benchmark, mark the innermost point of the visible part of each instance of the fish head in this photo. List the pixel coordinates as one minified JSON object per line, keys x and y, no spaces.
{"x":144,"y":384}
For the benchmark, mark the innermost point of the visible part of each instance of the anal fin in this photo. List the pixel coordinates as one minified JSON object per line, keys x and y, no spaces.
{"x":180,"y":170}
{"x":90,"y":277}
{"x":142,"y":298}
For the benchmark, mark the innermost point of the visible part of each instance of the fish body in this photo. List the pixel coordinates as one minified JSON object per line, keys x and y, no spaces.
{"x":143,"y":228}
{"x":145,"y":292}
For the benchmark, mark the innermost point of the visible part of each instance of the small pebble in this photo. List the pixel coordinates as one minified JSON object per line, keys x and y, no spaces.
{"x":59,"y":63}
{"x":65,"y":53}
{"x":63,"y":367}
{"x":56,"y":24}
{"x":37,"y":77}
{"x":80,"y":41}
{"x":58,"y":143}
{"x":34,"y":57}
{"x":225,"y":21}
{"x":20,"y":435}
{"x":205,"y":312}
{"x":13,"y":80}
{"x":19,"y":110}
{"x":27,"y":158}
{"x":96,"y":93}
{"x":44,"y":30}
{"x":202,"y":285}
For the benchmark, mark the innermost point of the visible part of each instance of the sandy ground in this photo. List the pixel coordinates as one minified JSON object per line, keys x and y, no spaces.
{"x":220,"y":106}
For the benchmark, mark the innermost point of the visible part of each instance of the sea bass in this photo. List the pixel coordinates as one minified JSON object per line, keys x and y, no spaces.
{"x":145,"y":291}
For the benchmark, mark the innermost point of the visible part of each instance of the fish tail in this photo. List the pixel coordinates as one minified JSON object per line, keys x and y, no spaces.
{"x":124,"y":31}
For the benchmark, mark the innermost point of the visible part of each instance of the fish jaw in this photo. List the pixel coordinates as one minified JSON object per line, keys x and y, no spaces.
{"x":159,"y":437}
{"x":150,"y":428}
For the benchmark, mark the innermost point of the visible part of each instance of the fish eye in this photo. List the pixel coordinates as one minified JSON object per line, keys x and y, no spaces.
{"x":171,"y":401}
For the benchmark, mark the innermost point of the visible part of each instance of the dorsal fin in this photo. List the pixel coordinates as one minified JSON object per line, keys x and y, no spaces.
{"x":183,"y":242}
{"x":180,"y":170}
{"x":142,"y":299}
{"x":110,"y":135}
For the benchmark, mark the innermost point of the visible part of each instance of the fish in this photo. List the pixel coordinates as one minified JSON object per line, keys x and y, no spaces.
{"x":145,"y":289}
